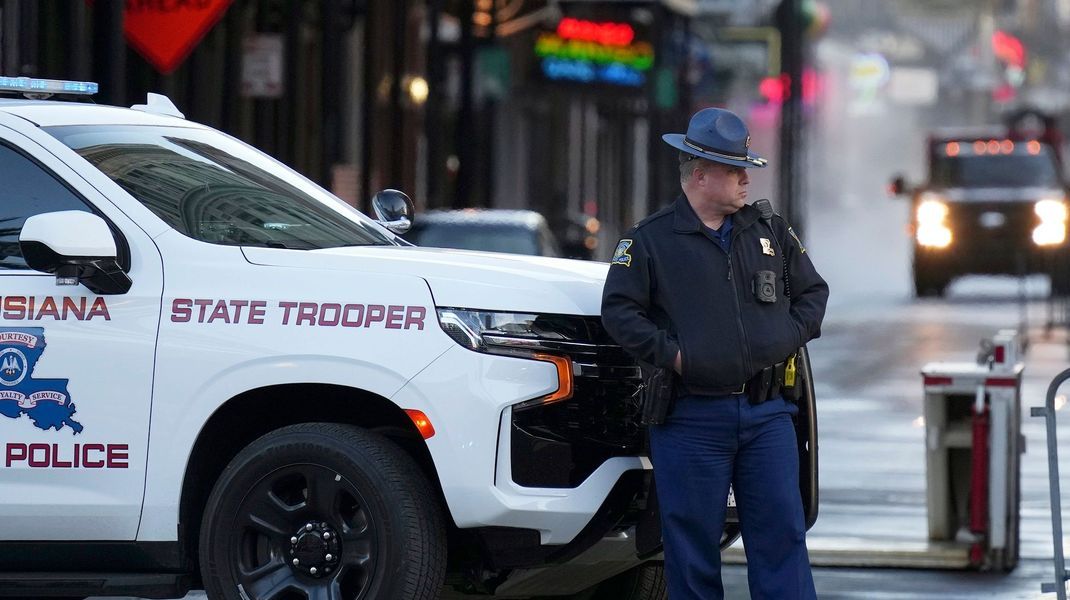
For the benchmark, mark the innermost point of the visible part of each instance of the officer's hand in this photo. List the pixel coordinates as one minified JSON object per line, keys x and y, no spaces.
{"x":678,"y":364}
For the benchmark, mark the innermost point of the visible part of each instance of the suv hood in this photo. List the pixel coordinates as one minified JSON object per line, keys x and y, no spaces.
{"x":462,"y":278}
{"x":1001,"y":194}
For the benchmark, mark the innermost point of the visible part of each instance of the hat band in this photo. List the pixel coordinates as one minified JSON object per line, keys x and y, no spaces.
{"x":709,"y":150}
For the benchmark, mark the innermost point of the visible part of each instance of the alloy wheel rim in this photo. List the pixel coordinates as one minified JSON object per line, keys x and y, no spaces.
{"x":305,"y":532}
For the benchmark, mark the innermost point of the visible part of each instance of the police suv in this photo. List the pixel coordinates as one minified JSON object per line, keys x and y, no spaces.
{"x":214,"y":373}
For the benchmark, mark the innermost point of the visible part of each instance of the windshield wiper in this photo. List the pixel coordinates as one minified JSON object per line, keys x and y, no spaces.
{"x":283,"y":245}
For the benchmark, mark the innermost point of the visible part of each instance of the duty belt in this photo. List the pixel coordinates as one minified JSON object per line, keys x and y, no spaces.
{"x":765,"y":385}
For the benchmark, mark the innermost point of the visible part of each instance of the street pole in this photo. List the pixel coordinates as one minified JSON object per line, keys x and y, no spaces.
{"x":109,"y":51}
{"x":432,"y":110}
{"x":11,"y":28}
{"x":367,"y":106}
{"x":397,"y":90}
{"x":333,"y":96}
{"x":465,"y":137}
{"x":789,"y":202}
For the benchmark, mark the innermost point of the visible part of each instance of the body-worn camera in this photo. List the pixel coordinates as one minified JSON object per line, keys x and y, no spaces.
{"x":765,"y":286}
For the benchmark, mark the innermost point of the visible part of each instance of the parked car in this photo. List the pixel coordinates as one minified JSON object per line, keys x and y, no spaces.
{"x":488,"y":230}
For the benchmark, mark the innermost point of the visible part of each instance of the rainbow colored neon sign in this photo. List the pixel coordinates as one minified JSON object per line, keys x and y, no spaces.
{"x":594,"y":52}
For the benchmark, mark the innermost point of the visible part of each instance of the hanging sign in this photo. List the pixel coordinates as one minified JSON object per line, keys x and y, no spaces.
{"x":262,"y":65}
{"x":166,"y":31}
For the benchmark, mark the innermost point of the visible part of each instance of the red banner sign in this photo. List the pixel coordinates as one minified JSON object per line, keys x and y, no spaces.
{"x":166,"y":31}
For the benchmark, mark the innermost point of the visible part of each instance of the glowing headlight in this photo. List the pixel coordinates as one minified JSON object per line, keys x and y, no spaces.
{"x":1049,"y":234}
{"x":933,"y":236}
{"x":1051,"y":211}
{"x":931,"y":211}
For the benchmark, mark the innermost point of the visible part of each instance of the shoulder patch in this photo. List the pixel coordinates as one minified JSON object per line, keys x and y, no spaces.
{"x":802,"y":249}
{"x":620,"y":255}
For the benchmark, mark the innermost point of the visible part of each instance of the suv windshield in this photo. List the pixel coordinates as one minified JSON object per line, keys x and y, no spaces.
{"x":218,"y":190}
{"x":1020,"y":168}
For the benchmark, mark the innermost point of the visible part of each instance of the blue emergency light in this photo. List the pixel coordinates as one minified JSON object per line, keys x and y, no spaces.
{"x":47,"y":86}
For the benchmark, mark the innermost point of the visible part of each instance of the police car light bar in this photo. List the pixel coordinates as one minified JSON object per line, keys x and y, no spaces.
{"x":47,"y":86}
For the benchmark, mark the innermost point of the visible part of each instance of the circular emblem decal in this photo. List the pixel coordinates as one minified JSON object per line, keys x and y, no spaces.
{"x":12,"y":366}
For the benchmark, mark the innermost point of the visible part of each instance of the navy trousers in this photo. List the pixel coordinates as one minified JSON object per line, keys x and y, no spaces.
{"x":705,"y":445}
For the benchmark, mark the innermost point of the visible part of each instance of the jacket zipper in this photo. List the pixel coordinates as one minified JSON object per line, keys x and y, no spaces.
{"x":739,"y":313}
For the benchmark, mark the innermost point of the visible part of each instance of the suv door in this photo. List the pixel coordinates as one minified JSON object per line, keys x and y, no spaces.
{"x":75,"y":367}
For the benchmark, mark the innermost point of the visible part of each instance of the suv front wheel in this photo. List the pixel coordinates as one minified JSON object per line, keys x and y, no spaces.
{"x":645,"y":582}
{"x":929,"y":281}
{"x":325,"y":511}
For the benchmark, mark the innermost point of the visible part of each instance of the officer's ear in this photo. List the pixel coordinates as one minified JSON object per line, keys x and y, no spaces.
{"x":702,"y":171}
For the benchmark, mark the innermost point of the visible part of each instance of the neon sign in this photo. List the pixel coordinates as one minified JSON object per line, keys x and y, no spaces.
{"x":594,"y":52}
{"x":609,"y":34}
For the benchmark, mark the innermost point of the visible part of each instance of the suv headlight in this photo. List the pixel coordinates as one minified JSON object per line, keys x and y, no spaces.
{"x":523,"y":335}
{"x":931,"y":210}
{"x":1052,"y":228}
{"x":932,"y":231}
{"x":1051,"y":210}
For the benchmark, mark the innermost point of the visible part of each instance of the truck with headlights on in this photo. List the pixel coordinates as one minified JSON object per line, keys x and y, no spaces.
{"x":994,"y":202}
{"x":215,"y":374}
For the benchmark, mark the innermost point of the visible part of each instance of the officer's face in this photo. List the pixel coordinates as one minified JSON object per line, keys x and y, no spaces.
{"x":726,"y":186}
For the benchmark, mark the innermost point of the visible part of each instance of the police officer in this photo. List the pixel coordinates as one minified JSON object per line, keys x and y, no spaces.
{"x":699,"y":288}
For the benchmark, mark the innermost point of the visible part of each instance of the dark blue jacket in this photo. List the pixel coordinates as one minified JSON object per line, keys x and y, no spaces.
{"x":671,"y":287}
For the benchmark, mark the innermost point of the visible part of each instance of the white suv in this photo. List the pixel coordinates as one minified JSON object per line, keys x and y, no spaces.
{"x":213,"y":372}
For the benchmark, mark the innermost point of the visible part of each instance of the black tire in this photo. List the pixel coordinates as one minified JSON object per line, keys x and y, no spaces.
{"x":928,"y":283}
{"x":645,"y":582}
{"x":1060,"y":280}
{"x":341,"y":492}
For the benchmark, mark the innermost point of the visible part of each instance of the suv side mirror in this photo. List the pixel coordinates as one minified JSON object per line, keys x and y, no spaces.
{"x":897,"y":186}
{"x":394,"y":210}
{"x":77,"y":247}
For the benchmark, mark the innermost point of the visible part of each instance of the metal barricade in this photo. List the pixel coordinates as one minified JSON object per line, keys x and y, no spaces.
{"x":1058,"y":584}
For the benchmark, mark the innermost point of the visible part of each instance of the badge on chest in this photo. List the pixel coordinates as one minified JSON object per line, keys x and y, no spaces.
{"x":767,"y":248}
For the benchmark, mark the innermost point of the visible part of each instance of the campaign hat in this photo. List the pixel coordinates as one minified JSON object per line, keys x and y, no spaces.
{"x":719,"y":135}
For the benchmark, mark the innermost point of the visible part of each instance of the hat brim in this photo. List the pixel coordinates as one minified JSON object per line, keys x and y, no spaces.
{"x":676,"y":140}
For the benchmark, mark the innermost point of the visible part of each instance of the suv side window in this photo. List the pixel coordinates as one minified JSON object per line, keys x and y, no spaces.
{"x":26,"y":189}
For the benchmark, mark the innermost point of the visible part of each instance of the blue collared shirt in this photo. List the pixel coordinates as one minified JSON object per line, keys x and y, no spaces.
{"x":723,"y":236}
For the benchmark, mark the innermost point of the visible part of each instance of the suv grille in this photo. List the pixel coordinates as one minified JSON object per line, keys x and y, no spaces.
{"x":559,"y":445}
{"x":1016,"y":228}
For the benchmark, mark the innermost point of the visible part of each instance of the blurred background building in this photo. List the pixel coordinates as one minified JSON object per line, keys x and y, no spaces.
{"x":554,"y":106}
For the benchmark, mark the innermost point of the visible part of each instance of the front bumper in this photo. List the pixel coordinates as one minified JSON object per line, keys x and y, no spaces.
{"x":468,"y":397}
{"x":991,"y":258}
{"x":990,"y":238}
